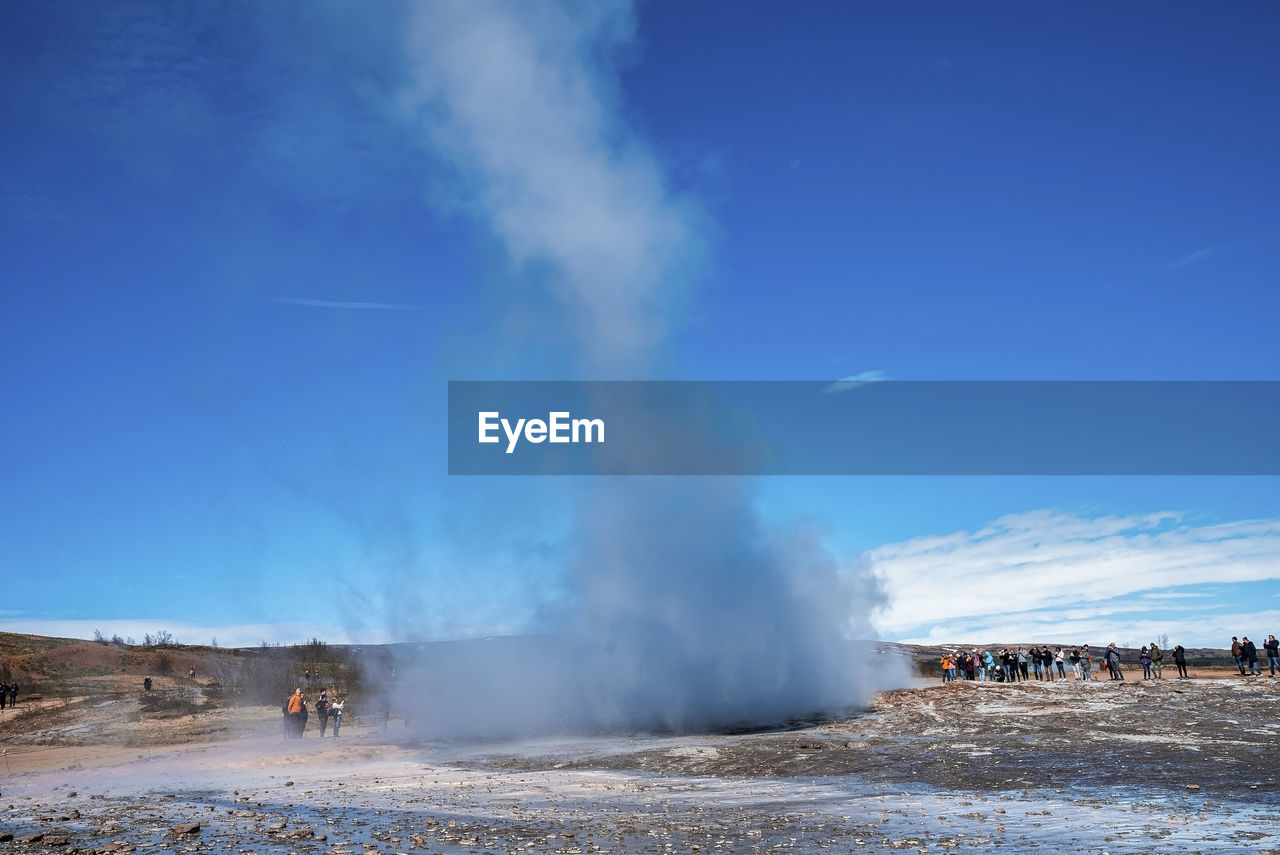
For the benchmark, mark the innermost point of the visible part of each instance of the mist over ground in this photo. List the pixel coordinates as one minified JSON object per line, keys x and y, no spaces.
{"x":691,"y":612}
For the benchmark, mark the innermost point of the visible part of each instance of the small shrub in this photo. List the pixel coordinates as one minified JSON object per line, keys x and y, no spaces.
{"x":171,"y":704}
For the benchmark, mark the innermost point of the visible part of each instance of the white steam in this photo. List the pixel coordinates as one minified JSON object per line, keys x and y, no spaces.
{"x":511,"y":94}
{"x":689,"y":610}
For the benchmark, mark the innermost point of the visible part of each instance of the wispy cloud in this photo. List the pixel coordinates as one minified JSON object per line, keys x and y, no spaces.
{"x":346,"y":304}
{"x":1049,"y":571}
{"x":1128,"y":629}
{"x":1206,"y":253}
{"x":853,"y":381}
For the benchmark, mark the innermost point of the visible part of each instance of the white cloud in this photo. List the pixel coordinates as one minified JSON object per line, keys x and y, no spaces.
{"x":853,"y":381}
{"x":1050,"y":574}
{"x":232,"y":635}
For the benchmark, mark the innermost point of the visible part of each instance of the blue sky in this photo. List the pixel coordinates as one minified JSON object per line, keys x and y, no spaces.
{"x":247,"y":245}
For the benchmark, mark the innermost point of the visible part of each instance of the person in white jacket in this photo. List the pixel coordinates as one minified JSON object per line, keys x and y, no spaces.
{"x":335,"y":713}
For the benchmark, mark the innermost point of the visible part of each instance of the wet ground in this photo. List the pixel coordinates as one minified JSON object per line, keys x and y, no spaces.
{"x":1178,"y":766}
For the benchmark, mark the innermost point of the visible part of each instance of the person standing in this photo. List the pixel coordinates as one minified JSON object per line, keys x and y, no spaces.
{"x":1180,"y":659}
{"x":294,"y":711}
{"x":4,"y":693}
{"x":1086,"y":664}
{"x":13,"y":693}
{"x":1144,"y":658}
{"x":1157,"y":660}
{"x":1272,"y":646}
{"x":322,"y":712}
{"x":1113,"y":662}
{"x":1059,"y":659}
{"x":335,"y":712}
{"x":1237,"y":653}
{"x":1022,"y":664}
{"x":1250,"y":652}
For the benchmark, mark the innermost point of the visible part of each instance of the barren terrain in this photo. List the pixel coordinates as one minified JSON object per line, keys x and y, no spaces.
{"x":1132,"y":767}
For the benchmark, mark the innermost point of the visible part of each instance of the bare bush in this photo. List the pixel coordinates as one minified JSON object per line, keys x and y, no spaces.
{"x":170,"y":704}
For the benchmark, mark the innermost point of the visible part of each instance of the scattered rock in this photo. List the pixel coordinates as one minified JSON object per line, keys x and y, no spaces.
{"x":187,"y":828}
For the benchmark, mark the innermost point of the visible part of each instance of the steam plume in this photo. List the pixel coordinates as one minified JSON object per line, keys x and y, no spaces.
{"x":513,"y":94}
{"x":689,"y":609}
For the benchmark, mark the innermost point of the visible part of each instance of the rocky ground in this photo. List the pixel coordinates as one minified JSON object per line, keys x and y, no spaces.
{"x":1150,"y":767}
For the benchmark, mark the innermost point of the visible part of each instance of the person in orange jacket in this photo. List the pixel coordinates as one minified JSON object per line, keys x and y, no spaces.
{"x":295,"y":714}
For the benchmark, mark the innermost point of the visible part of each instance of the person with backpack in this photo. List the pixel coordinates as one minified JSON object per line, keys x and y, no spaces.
{"x":1250,"y":652}
{"x":1157,"y":660}
{"x":1272,"y":646}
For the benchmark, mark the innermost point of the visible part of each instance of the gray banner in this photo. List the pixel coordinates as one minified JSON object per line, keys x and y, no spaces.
{"x":881,"y":428}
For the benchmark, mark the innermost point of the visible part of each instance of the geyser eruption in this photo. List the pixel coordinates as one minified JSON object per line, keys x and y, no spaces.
{"x":688,"y":609}
{"x":695,"y":612}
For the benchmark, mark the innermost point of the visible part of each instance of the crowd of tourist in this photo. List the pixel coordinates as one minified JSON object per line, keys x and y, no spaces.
{"x":1046,"y":662}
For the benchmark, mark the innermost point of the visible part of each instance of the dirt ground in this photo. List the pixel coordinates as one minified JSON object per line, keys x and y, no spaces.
{"x":1132,"y":767}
